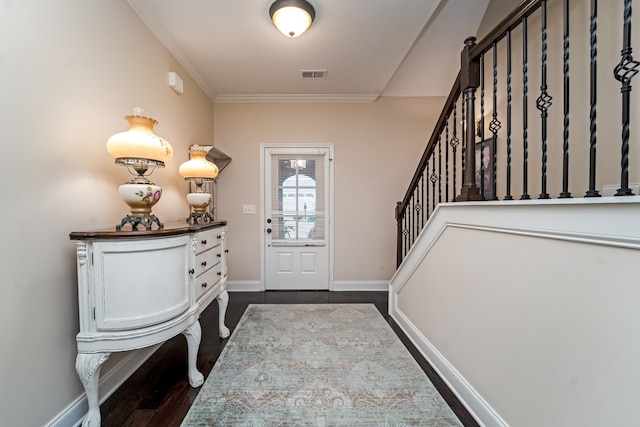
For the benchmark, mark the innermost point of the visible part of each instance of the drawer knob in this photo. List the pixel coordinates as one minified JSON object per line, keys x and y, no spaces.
{"x":218,"y":255}
{"x":204,"y":285}
{"x":219,"y":273}
{"x":219,"y":236}
{"x":226,"y":251}
{"x":204,"y":242}
{"x":191,"y":271}
{"x":204,"y":263}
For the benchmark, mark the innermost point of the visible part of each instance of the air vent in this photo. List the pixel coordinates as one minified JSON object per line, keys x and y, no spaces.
{"x":313,"y":74}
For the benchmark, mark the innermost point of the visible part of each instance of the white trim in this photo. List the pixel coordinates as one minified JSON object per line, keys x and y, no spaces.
{"x":338,"y":286}
{"x":73,"y":414}
{"x":360,"y":285}
{"x":514,"y":217}
{"x":473,"y":402}
{"x":244,"y":286}
{"x":295,"y":99}
{"x":330,"y":209}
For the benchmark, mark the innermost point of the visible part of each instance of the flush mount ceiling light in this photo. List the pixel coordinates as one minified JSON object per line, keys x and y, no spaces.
{"x":292,"y":17}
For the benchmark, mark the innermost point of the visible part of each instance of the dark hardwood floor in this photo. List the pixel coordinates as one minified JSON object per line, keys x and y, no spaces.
{"x":158,"y":394}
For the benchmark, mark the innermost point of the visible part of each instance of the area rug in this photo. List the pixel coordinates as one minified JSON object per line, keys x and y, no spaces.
{"x":317,"y":365}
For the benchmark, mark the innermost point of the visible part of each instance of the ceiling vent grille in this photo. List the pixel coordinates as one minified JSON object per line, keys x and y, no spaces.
{"x":313,"y":74}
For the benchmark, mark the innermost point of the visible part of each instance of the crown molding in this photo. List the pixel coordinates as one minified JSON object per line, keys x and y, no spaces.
{"x":296,"y":99}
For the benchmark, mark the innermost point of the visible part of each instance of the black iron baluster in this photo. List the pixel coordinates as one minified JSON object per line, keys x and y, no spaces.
{"x":415,"y":222}
{"x":544,"y":102}
{"x":424,"y":211}
{"x":433,"y":178}
{"x":446,"y":158}
{"x":480,"y":129}
{"x":426,"y":200}
{"x":508,"y":196}
{"x":624,"y":72}
{"x":412,"y":230}
{"x":398,"y":235}
{"x":565,"y":194}
{"x":592,"y":192}
{"x":417,"y":208}
{"x":405,"y":231}
{"x":494,"y":125}
{"x":440,"y":169}
{"x":454,"y":144}
{"x":525,"y":100}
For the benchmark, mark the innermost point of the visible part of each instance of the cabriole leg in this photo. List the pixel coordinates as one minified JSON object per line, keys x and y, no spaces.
{"x":88,"y":367}
{"x":193,"y":334}
{"x":223,"y":301}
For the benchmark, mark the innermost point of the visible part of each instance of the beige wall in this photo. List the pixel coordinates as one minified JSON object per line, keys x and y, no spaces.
{"x":71,"y":70}
{"x":496,"y":12}
{"x":377,"y":148}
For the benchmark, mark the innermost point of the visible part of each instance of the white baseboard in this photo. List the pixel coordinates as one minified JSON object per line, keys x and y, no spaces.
{"x":473,"y":402}
{"x":361,"y":285}
{"x":338,"y":285}
{"x":73,"y":414}
{"x":244,"y":286}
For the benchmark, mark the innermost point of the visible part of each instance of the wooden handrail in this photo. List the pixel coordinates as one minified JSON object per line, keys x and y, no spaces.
{"x":433,"y":140}
{"x":526,"y":8}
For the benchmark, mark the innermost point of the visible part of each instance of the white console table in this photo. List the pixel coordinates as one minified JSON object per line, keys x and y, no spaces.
{"x":140,"y":288}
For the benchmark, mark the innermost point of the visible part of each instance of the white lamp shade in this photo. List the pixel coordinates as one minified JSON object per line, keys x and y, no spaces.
{"x":292,"y":17}
{"x":198,"y":166}
{"x":139,"y":142}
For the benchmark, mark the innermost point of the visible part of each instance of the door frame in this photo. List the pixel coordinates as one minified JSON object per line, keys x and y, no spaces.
{"x":329,"y":223}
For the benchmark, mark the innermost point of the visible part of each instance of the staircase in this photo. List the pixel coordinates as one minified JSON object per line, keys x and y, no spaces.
{"x":516,"y":276}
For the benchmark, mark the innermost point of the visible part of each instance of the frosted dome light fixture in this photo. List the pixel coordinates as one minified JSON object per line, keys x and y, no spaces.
{"x":292,"y":17}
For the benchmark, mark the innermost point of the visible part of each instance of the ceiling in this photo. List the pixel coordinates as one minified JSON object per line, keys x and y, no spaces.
{"x":369,"y":48}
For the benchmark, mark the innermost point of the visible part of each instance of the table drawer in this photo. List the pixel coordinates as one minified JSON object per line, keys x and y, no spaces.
{"x":208,"y":259}
{"x":207,"y":281}
{"x":208,"y":239}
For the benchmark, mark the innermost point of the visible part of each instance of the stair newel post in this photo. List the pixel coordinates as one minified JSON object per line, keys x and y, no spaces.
{"x":469,"y":82}
{"x":399,"y":253}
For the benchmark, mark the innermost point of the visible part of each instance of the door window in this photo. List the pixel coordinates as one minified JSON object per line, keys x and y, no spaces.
{"x":298,"y":200}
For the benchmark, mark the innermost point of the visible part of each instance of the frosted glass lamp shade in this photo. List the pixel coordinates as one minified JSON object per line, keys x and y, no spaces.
{"x":198,"y":167}
{"x":139,"y":142}
{"x":292,"y":17}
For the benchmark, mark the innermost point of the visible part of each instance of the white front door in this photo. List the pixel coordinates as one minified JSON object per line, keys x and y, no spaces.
{"x":296,"y":216}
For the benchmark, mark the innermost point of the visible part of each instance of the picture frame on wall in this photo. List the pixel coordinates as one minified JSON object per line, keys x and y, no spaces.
{"x":485,"y":177}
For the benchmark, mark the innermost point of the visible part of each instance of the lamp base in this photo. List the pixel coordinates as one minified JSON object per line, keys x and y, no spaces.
{"x":199,"y":218}
{"x":146,"y":220}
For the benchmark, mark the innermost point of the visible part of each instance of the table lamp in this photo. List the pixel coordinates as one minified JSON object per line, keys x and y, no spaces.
{"x":198,"y":170}
{"x":140,"y":151}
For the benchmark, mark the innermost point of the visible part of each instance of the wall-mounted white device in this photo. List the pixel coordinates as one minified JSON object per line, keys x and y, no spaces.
{"x":175,"y":82}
